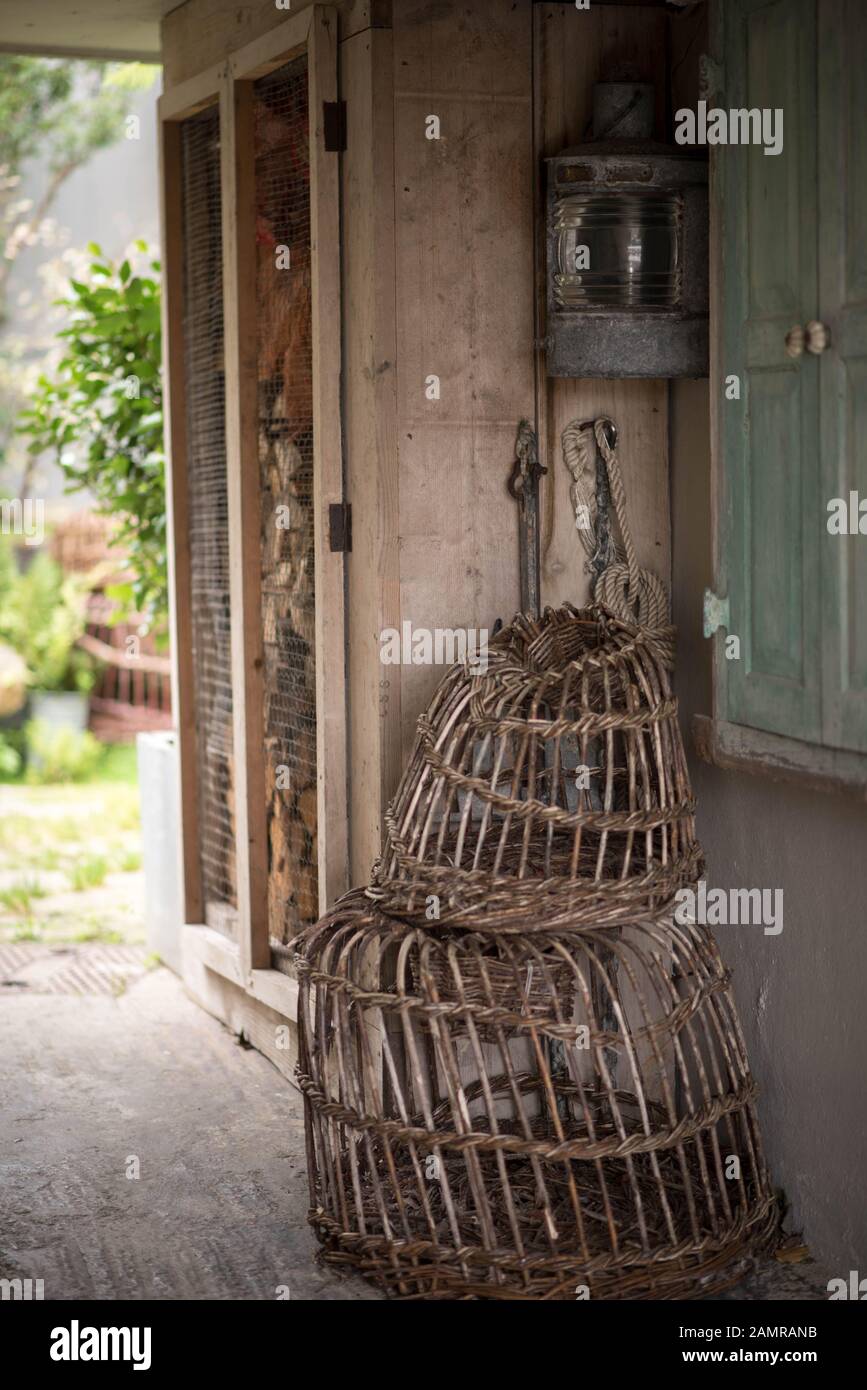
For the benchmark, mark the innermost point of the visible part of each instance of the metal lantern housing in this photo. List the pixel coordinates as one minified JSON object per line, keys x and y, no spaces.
{"x":627,"y":224}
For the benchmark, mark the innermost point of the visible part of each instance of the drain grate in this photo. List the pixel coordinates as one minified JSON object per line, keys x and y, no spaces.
{"x":89,"y":968}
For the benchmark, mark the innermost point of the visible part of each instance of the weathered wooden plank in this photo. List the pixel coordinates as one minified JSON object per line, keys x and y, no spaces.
{"x":367,"y":252}
{"x":264,"y":1017}
{"x":202,"y":32}
{"x":239,"y":300}
{"x":464,"y":251}
{"x":742,"y":749}
{"x":193,"y":94}
{"x":278,"y":44}
{"x":331,"y":693}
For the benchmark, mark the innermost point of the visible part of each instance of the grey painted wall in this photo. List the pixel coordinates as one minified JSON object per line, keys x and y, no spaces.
{"x":803,"y":994}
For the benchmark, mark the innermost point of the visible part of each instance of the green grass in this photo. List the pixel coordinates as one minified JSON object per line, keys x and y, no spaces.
{"x":77,"y":845}
{"x":45,"y":840}
{"x":105,"y":936}
{"x":28,"y":932}
{"x":124,"y":807}
{"x":117,"y":763}
{"x":89,"y":872}
{"x":18,"y":897}
{"x":68,"y":831}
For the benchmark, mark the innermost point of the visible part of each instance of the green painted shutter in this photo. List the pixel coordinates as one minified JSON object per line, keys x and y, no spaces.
{"x":843,"y":307}
{"x":770,"y":539}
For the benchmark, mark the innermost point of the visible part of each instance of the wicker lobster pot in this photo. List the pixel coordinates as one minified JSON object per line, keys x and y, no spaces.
{"x":549,"y":790}
{"x":536,"y":1116}
{"x":523,"y":1077}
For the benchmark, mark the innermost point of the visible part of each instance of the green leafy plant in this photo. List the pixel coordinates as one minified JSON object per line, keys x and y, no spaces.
{"x":101,"y":414}
{"x":42,"y":616}
{"x":10,"y":758}
{"x":59,"y":754}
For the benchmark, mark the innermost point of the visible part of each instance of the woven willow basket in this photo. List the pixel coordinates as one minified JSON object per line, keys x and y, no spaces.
{"x":522,"y":1078}
{"x":550,"y":790}
{"x":543,"y":1117}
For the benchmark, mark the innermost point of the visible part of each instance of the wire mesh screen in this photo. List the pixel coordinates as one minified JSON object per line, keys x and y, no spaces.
{"x":285,"y":368}
{"x":208,"y":512}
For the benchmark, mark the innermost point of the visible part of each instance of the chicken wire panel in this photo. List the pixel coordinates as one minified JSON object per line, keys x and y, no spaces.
{"x":285,"y":381}
{"x":208,"y":512}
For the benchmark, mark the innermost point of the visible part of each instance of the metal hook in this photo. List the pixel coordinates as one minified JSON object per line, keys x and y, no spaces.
{"x":609,"y":429}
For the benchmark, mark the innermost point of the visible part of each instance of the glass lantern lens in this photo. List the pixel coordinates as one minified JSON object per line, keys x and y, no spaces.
{"x":618,"y":250}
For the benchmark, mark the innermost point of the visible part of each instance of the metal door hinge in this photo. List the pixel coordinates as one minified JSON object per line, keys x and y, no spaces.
{"x":334,"y":125}
{"x":716,"y":612}
{"x":340,"y":526}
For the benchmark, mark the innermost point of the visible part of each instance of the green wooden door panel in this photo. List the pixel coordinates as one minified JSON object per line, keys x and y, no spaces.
{"x":843,"y":307}
{"x":772,"y":496}
{"x":770,"y":436}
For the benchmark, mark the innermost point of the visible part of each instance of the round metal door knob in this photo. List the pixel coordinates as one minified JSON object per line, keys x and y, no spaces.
{"x":818,"y":337}
{"x":795,"y":341}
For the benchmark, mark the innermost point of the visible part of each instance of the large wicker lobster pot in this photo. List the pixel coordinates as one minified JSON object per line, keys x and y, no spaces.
{"x":549,"y":790}
{"x":523,"y":1077}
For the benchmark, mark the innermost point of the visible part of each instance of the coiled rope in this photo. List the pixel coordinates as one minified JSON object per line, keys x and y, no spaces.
{"x":633,"y":594}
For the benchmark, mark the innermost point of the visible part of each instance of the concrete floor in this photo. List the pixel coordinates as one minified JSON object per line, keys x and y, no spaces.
{"x":91,"y":1082}
{"x":219,"y":1209}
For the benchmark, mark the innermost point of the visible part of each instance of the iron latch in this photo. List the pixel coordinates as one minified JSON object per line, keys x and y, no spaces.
{"x":523,"y":484}
{"x":717,"y":613}
{"x":340,"y":526}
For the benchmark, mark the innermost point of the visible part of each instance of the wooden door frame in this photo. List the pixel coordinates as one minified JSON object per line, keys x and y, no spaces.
{"x":247,"y":963}
{"x":185,"y":100}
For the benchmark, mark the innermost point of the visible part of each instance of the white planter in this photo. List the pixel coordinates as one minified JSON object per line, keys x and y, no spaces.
{"x":63,"y":709}
{"x":161,"y":854}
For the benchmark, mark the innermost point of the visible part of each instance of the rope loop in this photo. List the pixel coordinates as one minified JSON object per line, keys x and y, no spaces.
{"x":633,"y":594}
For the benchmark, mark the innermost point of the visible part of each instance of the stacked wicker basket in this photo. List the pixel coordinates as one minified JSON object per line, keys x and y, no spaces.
{"x":523,"y":1077}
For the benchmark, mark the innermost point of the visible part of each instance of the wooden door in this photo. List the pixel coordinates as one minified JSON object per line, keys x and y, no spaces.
{"x":843,"y":366}
{"x":282,"y":237}
{"x":769,"y":437}
{"x":255,"y":465}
